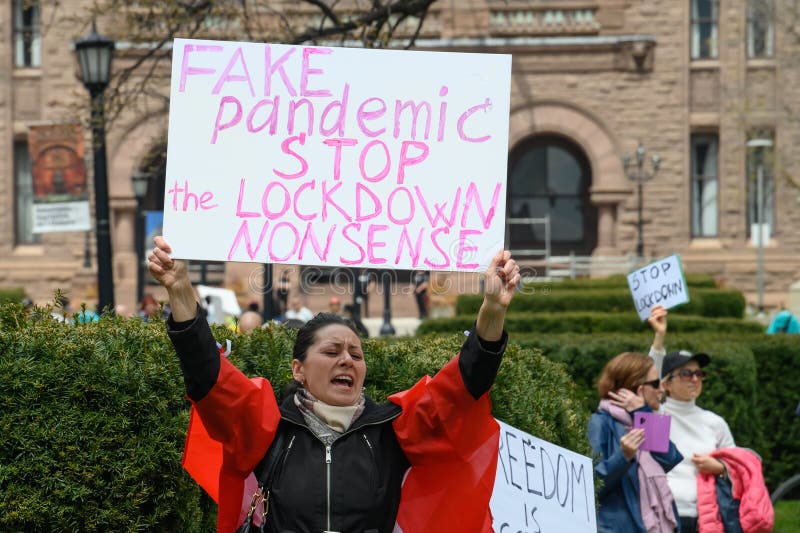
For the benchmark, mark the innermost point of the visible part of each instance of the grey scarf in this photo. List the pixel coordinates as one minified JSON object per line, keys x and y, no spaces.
{"x":326,"y":422}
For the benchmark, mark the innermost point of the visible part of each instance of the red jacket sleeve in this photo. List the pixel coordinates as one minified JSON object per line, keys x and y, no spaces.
{"x":230,"y":430}
{"x":451,"y":441}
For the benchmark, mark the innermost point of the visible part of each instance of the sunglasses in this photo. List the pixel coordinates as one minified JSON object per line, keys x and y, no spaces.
{"x":654,"y":383}
{"x":686,"y":374}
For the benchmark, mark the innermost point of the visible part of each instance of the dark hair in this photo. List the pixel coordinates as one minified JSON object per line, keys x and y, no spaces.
{"x":628,"y":370}
{"x":308,"y":333}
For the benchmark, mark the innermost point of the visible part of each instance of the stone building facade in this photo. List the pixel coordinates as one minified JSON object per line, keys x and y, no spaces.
{"x":694,"y":81}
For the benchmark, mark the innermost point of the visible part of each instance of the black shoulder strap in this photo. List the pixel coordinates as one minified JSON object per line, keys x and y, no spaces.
{"x":265,"y":469}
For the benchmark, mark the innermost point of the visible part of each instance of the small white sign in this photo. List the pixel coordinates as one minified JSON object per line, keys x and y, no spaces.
{"x":659,"y":283}
{"x":347,"y":157}
{"x":541,"y":487}
{"x":61,"y":216}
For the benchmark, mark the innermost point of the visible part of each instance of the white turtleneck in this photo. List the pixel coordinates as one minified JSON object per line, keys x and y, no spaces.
{"x":693,"y":431}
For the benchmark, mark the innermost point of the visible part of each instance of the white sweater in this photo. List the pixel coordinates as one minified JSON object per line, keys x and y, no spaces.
{"x":693,"y":431}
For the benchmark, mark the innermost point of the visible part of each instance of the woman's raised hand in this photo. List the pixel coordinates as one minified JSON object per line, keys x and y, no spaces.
{"x":174,"y":276}
{"x":500,"y":284}
{"x":163,"y":268}
{"x":501,"y":278}
{"x":626,"y":399}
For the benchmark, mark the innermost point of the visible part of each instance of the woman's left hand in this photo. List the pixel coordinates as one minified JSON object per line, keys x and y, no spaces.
{"x":706,"y":464}
{"x":500,"y":283}
{"x":501,"y":278}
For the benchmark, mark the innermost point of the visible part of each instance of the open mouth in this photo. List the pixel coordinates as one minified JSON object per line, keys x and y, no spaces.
{"x":343,"y":382}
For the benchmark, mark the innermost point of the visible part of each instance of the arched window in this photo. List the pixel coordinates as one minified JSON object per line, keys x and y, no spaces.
{"x":550,"y":175}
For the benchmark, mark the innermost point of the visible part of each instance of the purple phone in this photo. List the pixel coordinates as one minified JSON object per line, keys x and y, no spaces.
{"x":656,"y":430}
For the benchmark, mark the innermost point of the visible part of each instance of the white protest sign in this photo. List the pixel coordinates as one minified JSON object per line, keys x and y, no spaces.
{"x":334,"y":156}
{"x":541,"y":487}
{"x":659,"y":283}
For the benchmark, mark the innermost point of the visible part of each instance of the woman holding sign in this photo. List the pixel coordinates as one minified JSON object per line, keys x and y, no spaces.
{"x":329,"y":458}
{"x":635,"y":496}
{"x":697,"y":432}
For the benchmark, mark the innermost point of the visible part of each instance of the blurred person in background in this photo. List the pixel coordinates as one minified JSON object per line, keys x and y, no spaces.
{"x":695,"y":431}
{"x":635,"y":496}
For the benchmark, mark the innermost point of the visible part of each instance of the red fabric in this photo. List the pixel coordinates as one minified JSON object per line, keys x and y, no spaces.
{"x":756,"y":514}
{"x":450,"y":439}
{"x":452,"y":442}
{"x":230,"y":430}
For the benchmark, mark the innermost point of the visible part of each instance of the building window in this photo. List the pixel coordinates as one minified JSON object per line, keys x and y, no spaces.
{"x":704,"y":186}
{"x":551,"y":176}
{"x":760,"y":185}
{"x":24,"y":194}
{"x":27,"y":41}
{"x":760,"y":33}
{"x":704,"y":29}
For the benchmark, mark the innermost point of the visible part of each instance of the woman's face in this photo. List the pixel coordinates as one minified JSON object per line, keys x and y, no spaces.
{"x":683,"y":389}
{"x":334,"y":368}
{"x":650,"y":393}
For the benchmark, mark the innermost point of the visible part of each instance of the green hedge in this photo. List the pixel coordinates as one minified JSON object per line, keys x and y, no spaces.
{"x":619,"y":281}
{"x":591,"y":323}
{"x":92,"y":417}
{"x":778,"y":361}
{"x":92,"y":420}
{"x":704,"y":302}
{"x":12,"y":295}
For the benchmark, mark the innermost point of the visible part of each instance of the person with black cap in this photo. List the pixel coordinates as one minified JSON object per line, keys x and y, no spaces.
{"x":695,"y":431}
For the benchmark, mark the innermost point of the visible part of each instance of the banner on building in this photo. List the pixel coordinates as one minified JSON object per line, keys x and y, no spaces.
{"x":336,"y":156}
{"x":659,"y":283}
{"x":60,"y":193}
{"x":541,"y":487}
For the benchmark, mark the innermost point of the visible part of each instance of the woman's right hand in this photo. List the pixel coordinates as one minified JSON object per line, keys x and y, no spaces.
{"x":165,"y":270}
{"x":658,"y":321}
{"x":631,"y":441}
{"x":174,"y":276}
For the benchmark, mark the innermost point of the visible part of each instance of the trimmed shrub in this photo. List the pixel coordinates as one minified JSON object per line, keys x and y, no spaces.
{"x":92,"y":421}
{"x":11,"y":295}
{"x":619,"y":281}
{"x":587,"y":322}
{"x":93,"y":416}
{"x":704,"y":302}
{"x":778,"y":360}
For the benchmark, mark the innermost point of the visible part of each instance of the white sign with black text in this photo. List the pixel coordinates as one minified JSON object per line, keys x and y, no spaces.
{"x":659,"y":283}
{"x":541,"y":487}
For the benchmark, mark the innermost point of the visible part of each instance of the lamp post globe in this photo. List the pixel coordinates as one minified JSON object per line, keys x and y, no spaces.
{"x":95,"y":54}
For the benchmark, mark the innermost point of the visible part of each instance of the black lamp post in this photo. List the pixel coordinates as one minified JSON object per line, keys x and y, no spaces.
{"x":387,"y":328}
{"x":636,"y":172}
{"x":267,"y":309}
{"x":139,"y":183}
{"x":94,"y":57}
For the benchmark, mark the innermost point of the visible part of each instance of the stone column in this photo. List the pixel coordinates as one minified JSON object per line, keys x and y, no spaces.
{"x":125,"y":261}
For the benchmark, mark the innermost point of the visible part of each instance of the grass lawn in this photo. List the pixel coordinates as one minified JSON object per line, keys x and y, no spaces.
{"x":787,"y":516}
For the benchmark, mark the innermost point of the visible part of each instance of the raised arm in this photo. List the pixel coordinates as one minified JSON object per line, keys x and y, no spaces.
{"x":500,"y":284}
{"x":174,"y":276}
{"x":480,"y":355}
{"x":658,"y":321}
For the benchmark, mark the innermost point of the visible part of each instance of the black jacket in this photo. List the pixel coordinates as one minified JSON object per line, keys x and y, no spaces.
{"x":353,"y":487}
